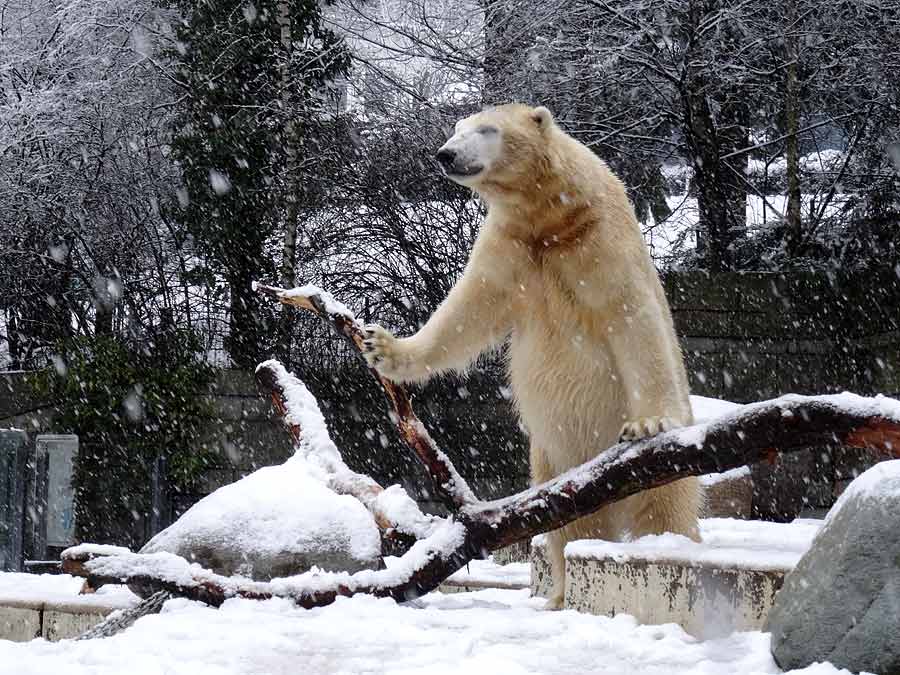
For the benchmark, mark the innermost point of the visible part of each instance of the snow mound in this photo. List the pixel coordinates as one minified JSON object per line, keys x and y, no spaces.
{"x":22,"y":587}
{"x":706,"y":409}
{"x":281,"y":520}
{"x":278,"y":521}
{"x":490,"y":631}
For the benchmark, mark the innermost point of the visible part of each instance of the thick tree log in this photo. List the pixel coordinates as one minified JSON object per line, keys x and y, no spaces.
{"x":751,"y":433}
{"x":451,"y":489}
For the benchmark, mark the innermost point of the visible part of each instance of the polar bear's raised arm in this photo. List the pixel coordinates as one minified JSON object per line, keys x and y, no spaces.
{"x":475,"y":315}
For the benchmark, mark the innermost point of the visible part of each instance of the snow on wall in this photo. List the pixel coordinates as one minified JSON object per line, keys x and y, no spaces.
{"x":726,"y":543}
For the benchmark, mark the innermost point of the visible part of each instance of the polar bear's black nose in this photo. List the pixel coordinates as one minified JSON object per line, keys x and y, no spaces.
{"x":446,"y":157}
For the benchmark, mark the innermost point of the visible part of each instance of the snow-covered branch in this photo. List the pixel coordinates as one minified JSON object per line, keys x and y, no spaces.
{"x":752,"y":433}
{"x":451,"y":488}
{"x":394,"y":511}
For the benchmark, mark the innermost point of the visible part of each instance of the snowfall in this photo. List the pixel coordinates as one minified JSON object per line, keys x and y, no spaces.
{"x":492,"y":631}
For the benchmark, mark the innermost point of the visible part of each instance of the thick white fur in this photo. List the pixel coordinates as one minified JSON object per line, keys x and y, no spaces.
{"x":560,"y":267}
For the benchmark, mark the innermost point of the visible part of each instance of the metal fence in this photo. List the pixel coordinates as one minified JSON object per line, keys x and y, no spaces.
{"x":36,"y":498}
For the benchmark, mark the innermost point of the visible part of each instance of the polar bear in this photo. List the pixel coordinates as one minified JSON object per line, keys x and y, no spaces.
{"x":560,"y":268}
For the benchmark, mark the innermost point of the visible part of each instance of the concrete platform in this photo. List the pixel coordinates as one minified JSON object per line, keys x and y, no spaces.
{"x":726,"y":583}
{"x":23,"y":621}
{"x":480,"y":574}
{"x":49,"y":606}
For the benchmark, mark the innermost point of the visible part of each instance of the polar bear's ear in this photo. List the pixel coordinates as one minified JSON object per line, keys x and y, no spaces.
{"x":542,"y":117}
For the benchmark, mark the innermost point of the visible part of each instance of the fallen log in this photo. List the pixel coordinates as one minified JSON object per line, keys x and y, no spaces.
{"x":749,"y":434}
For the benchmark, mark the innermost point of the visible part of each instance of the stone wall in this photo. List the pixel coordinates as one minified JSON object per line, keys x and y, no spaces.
{"x":753,"y":336}
{"x":745,"y":337}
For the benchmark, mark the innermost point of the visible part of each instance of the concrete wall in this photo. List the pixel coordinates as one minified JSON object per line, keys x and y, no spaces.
{"x":23,"y":620}
{"x":745,"y":337}
{"x":753,"y":336}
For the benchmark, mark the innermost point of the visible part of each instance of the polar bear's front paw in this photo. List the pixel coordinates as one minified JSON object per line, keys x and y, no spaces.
{"x":555,"y":602}
{"x":384,"y":352}
{"x":644,"y":427}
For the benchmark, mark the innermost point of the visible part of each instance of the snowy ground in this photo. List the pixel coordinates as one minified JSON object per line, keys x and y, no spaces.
{"x":492,"y":632}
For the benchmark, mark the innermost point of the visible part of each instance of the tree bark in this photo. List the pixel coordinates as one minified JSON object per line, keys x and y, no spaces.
{"x":720,"y":220}
{"x":792,"y":126}
{"x":244,"y":329}
{"x":289,"y":241}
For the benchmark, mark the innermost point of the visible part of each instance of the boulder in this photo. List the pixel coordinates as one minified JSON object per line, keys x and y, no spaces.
{"x":278,"y":521}
{"x":841,"y":603}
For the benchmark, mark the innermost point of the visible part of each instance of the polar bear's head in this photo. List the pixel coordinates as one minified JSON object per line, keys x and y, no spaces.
{"x":496,"y":146}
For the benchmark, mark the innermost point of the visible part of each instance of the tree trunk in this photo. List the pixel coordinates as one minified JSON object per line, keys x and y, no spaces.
{"x":287,"y":275}
{"x":717,"y":226}
{"x":244,"y":329}
{"x":793,"y":221}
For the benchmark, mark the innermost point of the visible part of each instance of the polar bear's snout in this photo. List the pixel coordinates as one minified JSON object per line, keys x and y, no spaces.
{"x":460,"y":161}
{"x":469,"y":152}
{"x":447,"y":158}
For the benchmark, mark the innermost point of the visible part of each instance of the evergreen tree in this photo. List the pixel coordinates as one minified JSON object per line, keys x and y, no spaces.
{"x":256,"y":79}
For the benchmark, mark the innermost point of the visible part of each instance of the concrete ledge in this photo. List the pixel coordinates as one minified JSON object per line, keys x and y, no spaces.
{"x":706,"y":602}
{"x":49,"y":606}
{"x":726,"y":583}
{"x":19,"y":624}
{"x":23,"y":620}
{"x":60,"y":625}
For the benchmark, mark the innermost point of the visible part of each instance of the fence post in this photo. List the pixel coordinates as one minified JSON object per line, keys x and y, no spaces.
{"x":13,"y":451}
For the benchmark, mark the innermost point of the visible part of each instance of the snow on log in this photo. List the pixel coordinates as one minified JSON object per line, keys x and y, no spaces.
{"x":751,"y":433}
{"x":418,"y":571}
{"x":450,"y":487}
{"x":393,"y":509}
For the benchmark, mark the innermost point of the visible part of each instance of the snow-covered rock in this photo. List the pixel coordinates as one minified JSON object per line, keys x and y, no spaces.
{"x":282,"y":520}
{"x":842,"y":602}
{"x":278,"y":521}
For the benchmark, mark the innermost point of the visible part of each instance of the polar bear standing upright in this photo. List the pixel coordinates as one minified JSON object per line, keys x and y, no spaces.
{"x":560,"y":267}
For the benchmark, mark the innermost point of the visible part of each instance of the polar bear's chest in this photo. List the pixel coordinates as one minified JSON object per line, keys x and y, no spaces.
{"x":560,"y":366}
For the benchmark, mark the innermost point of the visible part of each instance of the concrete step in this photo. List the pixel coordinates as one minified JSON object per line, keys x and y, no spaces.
{"x":49,"y":606}
{"x":724,"y":584}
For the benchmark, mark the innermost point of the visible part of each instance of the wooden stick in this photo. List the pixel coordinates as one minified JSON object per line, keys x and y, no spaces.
{"x":451,"y":488}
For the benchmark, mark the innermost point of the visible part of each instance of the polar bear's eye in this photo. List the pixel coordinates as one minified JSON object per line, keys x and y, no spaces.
{"x":486,"y":129}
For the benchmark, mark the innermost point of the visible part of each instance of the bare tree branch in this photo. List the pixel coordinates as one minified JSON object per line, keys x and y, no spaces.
{"x":452,"y":488}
